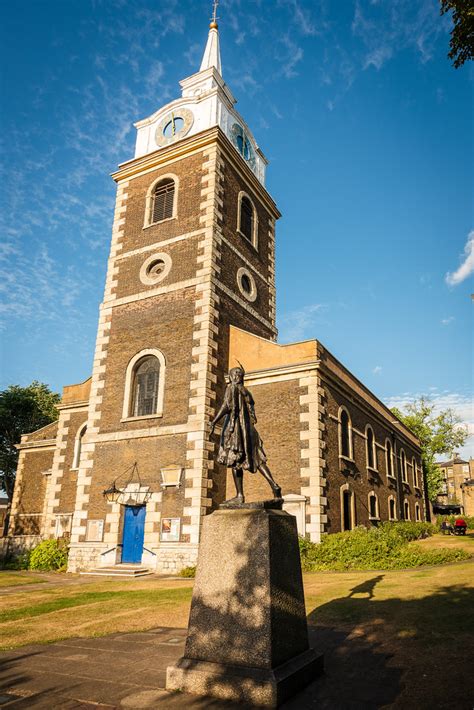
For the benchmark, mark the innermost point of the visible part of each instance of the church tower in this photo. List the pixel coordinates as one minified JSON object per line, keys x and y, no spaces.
{"x":192,"y":254}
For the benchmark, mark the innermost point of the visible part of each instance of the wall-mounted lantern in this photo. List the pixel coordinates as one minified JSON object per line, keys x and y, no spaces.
{"x":130,"y":491}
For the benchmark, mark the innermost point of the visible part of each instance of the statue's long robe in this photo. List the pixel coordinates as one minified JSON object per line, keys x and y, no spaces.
{"x":240,"y":444}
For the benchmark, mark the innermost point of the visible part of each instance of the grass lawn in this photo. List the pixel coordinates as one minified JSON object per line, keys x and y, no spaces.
{"x":16,"y":579}
{"x":409,"y":630}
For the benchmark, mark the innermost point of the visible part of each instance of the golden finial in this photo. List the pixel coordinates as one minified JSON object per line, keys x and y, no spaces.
{"x":214,"y":18}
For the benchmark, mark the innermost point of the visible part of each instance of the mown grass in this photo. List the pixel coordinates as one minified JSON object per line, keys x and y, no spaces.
{"x":91,"y":608}
{"x":16,"y":579}
{"x":413,"y":601}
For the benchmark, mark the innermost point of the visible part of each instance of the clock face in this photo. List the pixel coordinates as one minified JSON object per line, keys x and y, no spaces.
{"x":243,"y":145}
{"x":175,"y":125}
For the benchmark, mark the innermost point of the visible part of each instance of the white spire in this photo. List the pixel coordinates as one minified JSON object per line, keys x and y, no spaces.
{"x":212,"y":54}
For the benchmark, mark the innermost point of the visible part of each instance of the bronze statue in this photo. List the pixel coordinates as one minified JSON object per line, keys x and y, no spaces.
{"x":240,"y":446}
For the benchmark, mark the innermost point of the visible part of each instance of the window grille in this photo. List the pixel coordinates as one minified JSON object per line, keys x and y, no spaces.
{"x":246,"y":218}
{"x":403,"y":464}
{"x":391,"y":513}
{"x":370,"y":448}
{"x":407,"y":510}
{"x":389,"y":459}
{"x":345,"y":435}
{"x":145,"y":389}
{"x":163,"y":200}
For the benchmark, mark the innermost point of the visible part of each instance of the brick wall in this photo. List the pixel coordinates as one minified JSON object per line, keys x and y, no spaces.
{"x":361,"y":480}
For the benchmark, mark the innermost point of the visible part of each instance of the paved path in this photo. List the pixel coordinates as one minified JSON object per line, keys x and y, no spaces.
{"x":127,"y":672}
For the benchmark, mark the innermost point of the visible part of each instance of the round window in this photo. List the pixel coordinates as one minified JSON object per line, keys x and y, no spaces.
{"x":155,"y":269}
{"x":246,"y":284}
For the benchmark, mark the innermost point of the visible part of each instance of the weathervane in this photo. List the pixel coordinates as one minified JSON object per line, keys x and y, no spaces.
{"x":214,"y":17}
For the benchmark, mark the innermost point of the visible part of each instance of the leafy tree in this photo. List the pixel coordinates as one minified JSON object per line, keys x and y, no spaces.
{"x":438,"y":434}
{"x":462,"y":34}
{"x":22,"y":410}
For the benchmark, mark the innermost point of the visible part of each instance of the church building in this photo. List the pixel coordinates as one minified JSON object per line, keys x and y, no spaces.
{"x":127,"y":473}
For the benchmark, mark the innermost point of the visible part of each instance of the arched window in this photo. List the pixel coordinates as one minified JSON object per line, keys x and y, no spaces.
{"x":406,"y":510}
{"x":403,"y":466}
{"x":347,"y":508}
{"x":345,"y":434}
{"x":144,"y":385}
{"x":392,"y":509}
{"x":371,"y":452}
{"x":415,"y":472}
{"x":247,"y":219}
{"x":417,"y":512}
{"x":163,"y":200}
{"x":373,"y":506}
{"x":78,"y":446}
{"x":389,"y":457}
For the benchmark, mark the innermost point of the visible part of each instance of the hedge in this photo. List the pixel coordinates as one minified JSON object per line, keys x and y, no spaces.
{"x":385,"y":547}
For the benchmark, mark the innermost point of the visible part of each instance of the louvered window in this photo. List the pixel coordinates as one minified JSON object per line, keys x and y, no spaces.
{"x":145,"y":386}
{"x":246,"y":218}
{"x":163,"y":200}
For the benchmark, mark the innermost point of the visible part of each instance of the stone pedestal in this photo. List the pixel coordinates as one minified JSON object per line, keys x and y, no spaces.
{"x":247,"y":637}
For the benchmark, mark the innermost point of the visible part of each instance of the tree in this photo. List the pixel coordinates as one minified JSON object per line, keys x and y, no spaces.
{"x":438,"y":434}
{"x":22,"y":410}
{"x":462,"y":34}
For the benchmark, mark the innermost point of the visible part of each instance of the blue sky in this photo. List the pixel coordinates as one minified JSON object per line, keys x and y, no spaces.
{"x":367,"y":128}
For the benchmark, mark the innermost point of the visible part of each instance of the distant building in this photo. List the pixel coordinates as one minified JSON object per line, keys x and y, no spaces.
{"x":457,"y":493}
{"x":190,"y":292}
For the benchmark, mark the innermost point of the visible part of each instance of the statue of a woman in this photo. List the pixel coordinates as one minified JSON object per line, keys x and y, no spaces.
{"x":240,"y":446}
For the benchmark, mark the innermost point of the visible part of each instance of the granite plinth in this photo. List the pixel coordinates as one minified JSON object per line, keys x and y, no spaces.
{"x":261,"y":687}
{"x":273,"y":504}
{"x":247,"y":636}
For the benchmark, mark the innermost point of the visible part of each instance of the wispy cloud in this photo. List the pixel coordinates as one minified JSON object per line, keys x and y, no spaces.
{"x":299,"y":324}
{"x":291,"y":58}
{"x":461,"y":404}
{"x":447,"y":321}
{"x":377,"y":370}
{"x":387,"y":28}
{"x":467,"y":266}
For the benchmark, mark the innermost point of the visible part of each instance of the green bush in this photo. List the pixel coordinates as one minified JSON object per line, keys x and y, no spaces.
{"x":49,"y":555}
{"x":385,"y":547}
{"x":188,"y":572}
{"x":18,"y":561}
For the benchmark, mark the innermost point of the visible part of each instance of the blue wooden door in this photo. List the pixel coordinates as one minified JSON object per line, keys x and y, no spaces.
{"x":133,"y":533}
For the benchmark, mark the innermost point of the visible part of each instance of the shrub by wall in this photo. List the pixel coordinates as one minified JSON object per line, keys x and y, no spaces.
{"x":385,"y":547}
{"x":49,"y":555}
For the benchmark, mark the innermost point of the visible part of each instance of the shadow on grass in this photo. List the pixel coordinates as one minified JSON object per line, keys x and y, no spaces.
{"x":403,"y":653}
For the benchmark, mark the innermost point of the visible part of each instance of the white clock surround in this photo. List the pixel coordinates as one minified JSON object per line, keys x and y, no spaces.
{"x":208,"y":99}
